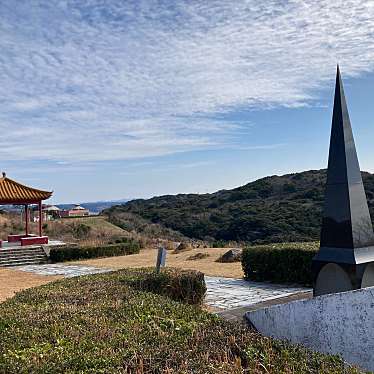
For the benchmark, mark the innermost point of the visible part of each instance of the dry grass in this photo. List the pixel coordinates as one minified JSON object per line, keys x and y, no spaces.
{"x":96,"y":230}
{"x":99,"y":231}
{"x":12,"y":281}
{"x":147,"y":257}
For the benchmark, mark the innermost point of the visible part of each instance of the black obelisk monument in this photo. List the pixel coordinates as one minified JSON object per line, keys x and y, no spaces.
{"x":345,"y":260}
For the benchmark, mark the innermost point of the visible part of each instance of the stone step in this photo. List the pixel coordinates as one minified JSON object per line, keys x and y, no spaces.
{"x":29,"y":262}
{"x":23,"y":259}
{"x":2,"y":250}
{"x":10,"y":258}
{"x":20,"y":252}
{"x":19,"y":258}
{"x":23,"y":255}
{"x":21,"y":249}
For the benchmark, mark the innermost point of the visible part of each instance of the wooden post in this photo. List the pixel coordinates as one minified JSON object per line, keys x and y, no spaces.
{"x":40,"y":217}
{"x":27,"y":219}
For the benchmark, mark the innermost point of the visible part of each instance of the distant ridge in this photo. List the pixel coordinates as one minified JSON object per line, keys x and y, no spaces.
{"x":271,"y":209}
{"x":95,"y":206}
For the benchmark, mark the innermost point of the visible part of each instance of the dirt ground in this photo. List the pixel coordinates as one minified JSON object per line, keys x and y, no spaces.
{"x":147,"y":257}
{"x":12,"y":281}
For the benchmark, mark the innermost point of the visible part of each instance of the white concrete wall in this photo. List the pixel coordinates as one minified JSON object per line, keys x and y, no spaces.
{"x":341,"y":323}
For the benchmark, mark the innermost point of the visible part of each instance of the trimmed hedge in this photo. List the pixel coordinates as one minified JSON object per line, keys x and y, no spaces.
{"x":100,"y":324}
{"x":61,"y":254}
{"x":180,"y":285}
{"x":281,"y":263}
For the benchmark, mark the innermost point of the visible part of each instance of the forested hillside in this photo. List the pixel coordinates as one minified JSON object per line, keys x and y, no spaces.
{"x":272,"y":209}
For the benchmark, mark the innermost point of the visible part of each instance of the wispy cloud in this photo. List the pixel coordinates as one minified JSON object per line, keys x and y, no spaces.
{"x":104,"y":80}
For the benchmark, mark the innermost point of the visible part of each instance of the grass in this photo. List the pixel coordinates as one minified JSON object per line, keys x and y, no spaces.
{"x":86,"y":231}
{"x":101,"y":324}
{"x":12,"y":281}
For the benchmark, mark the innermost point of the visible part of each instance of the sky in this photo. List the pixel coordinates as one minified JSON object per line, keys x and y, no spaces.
{"x":113,"y":99}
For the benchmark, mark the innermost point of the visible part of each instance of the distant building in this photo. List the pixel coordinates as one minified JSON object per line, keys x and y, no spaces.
{"x":50,"y":212}
{"x":77,"y":211}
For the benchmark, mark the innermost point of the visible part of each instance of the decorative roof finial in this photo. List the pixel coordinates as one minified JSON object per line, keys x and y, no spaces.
{"x":4,"y":174}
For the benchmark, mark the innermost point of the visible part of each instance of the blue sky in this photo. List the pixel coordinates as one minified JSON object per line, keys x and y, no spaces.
{"x":114,"y":99}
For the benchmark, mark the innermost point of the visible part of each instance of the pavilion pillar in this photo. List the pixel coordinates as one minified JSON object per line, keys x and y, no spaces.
{"x":40,"y":217}
{"x":27,"y":219}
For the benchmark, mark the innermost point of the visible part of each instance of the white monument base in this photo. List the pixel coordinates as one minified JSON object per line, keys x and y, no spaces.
{"x":340,"y":323}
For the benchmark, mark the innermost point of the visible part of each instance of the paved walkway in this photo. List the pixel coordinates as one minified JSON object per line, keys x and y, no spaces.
{"x":222,"y":293}
{"x":227,"y":293}
{"x":67,"y":271}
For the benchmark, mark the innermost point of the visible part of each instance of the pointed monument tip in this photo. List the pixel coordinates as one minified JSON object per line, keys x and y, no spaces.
{"x":338,"y":71}
{"x":339,"y":82}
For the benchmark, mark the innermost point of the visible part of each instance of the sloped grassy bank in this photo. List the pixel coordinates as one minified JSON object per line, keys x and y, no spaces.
{"x":102,"y":323}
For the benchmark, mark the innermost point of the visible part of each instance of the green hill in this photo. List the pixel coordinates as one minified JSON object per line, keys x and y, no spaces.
{"x":271,"y":209}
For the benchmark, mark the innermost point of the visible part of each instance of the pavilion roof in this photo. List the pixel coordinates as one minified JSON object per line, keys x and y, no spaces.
{"x":12,"y":192}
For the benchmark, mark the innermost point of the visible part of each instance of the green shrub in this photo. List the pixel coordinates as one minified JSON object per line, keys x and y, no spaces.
{"x":219,"y":244}
{"x":80,"y":230}
{"x":60,"y":254}
{"x":283,"y":262}
{"x":180,"y":285}
{"x":100,"y":324}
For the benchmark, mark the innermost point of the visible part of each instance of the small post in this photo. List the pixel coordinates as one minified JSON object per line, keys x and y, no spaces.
{"x":40,"y":217}
{"x":27,"y":219}
{"x":161,"y":259}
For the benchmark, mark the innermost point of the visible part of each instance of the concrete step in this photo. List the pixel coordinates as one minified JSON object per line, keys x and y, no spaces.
{"x":23,"y":253}
{"x":19,"y":257}
{"x":21,"y":249}
{"x":5,"y":251}
{"x":20,"y":260}
{"x":12,"y":264}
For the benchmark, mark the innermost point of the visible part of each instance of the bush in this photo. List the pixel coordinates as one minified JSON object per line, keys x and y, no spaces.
{"x":219,"y":244}
{"x":100,"y":324}
{"x":80,"y":230}
{"x":60,"y":254}
{"x":282,"y":263}
{"x":180,"y":285}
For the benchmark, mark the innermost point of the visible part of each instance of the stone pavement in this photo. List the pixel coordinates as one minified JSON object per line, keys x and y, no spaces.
{"x":67,"y":271}
{"x":227,"y":293}
{"x":222,"y":293}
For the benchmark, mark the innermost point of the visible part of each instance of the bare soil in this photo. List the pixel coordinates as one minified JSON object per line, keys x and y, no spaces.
{"x":12,"y":281}
{"x":147,"y":257}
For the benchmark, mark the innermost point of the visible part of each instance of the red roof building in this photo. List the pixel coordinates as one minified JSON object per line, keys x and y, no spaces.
{"x":12,"y":192}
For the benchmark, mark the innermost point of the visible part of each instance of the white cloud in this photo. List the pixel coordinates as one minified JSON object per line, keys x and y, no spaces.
{"x":103,"y":80}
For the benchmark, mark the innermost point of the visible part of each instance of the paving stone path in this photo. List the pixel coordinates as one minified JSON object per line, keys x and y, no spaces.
{"x":222,"y":293}
{"x":227,"y":293}
{"x":68,"y":271}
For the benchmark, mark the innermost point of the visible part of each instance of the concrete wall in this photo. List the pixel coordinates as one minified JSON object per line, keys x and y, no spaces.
{"x":341,"y":323}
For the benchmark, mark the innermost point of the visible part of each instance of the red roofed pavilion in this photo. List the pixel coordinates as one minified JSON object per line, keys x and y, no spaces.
{"x":12,"y":192}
